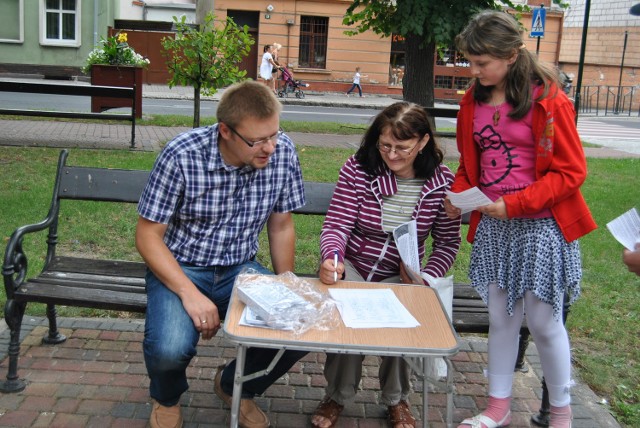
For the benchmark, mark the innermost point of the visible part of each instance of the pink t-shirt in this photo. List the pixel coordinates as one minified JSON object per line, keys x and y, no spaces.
{"x":507,"y":152}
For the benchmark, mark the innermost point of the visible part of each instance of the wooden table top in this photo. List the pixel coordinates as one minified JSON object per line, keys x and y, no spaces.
{"x":434,"y":337}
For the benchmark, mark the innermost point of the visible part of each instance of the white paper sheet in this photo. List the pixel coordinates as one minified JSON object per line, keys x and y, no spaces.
{"x":626,"y":229}
{"x":406,"y":238}
{"x":469,"y":200}
{"x":372,"y":308}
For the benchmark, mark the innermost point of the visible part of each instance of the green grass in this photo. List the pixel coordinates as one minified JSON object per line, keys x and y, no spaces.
{"x":603,"y":324}
{"x":288,"y":125}
{"x":181,"y":120}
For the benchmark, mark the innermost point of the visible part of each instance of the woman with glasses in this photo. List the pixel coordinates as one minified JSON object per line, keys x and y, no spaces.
{"x":397,"y":175}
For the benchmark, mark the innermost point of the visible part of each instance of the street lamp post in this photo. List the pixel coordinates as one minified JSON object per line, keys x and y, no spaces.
{"x":583,"y":46}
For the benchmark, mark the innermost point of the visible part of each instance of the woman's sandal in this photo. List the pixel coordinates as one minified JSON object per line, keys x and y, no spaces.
{"x":401,"y":414}
{"x":328,"y":409}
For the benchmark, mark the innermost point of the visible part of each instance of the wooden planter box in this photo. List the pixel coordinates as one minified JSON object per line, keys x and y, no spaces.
{"x":116,"y":75}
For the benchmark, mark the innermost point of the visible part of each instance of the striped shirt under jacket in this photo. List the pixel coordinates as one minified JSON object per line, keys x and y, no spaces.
{"x":353,"y":225}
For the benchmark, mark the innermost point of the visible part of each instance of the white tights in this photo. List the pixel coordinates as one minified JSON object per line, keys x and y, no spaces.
{"x":549,"y":335}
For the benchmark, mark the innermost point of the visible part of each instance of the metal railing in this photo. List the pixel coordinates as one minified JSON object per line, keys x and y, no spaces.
{"x":608,"y":100}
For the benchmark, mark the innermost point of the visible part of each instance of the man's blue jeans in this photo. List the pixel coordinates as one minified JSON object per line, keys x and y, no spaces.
{"x":170,"y":338}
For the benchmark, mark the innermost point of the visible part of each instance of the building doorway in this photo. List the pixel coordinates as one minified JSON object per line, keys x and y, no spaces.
{"x":251,"y":20}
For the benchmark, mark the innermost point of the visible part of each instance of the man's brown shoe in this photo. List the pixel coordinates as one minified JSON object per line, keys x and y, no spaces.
{"x":251,"y":416}
{"x":165,"y":417}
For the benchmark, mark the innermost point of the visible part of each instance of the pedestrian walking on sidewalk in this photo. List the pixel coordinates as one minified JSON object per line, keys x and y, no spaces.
{"x":267,"y":66}
{"x":275,"y":51}
{"x":356,"y":82}
{"x":519,"y":144}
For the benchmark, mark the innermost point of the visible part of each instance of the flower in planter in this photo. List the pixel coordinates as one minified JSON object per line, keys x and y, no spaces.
{"x":115,"y":51}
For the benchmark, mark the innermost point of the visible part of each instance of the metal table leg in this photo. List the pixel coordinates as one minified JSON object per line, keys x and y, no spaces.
{"x":449,"y":392}
{"x":239,"y":378}
{"x":425,"y":390}
{"x":237,"y":386}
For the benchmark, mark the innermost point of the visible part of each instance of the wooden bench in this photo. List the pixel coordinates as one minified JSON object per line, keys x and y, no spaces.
{"x":77,"y":90}
{"x":446,"y":112}
{"x":119,"y":285}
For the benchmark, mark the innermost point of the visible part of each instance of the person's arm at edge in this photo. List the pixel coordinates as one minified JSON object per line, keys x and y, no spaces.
{"x":158,"y":257}
{"x":282,"y":240}
{"x":632,"y":259}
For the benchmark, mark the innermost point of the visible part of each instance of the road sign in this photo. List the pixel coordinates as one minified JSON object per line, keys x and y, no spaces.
{"x":538,"y":19}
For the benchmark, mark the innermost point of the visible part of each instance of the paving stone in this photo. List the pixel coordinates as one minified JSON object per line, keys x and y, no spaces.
{"x":71,"y":385}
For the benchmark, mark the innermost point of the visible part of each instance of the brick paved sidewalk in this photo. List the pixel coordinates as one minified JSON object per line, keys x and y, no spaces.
{"x":97,"y":378}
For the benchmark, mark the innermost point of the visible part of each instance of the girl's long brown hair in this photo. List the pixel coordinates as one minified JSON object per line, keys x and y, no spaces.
{"x":498,"y":34}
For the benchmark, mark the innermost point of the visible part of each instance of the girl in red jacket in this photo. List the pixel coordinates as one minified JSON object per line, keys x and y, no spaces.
{"x":519,"y":145}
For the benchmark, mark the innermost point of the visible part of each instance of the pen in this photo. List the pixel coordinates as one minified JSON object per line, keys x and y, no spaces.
{"x":335,"y":265}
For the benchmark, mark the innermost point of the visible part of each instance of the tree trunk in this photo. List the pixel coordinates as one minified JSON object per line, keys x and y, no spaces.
{"x":417,"y":84}
{"x":196,"y":106}
{"x":202,"y":8}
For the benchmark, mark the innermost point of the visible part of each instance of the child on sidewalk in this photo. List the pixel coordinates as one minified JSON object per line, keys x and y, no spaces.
{"x":356,"y":82}
{"x":518,"y":143}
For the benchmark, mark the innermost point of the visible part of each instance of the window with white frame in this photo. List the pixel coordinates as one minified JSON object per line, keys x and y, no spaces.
{"x":60,"y":22}
{"x":12,"y":21}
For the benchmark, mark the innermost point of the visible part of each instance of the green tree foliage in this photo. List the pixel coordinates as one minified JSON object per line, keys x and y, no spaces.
{"x":206,"y":57}
{"x":425,"y":25}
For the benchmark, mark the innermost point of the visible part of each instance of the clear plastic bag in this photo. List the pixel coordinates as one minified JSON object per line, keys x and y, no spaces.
{"x":287,"y":302}
{"x":444,"y":288}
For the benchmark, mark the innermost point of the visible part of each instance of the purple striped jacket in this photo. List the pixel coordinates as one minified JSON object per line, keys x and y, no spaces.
{"x":353,"y":224}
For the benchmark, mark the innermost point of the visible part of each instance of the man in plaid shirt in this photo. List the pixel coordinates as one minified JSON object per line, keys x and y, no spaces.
{"x":210,"y":193}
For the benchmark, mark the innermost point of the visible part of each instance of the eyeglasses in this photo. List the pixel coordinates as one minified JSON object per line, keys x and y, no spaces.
{"x":388,"y":148}
{"x":255,"y":143}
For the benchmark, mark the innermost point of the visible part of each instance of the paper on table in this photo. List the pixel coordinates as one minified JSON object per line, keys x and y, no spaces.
{"x":626,"y":228}
{"x":406,"y":238}
{"x":372,"y":308}
{"x":251,"y":319}
{"x":469,"y":200}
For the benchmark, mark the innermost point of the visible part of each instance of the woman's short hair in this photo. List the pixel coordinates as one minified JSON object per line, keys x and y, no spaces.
{"x":247,"y":99}
{"x":406,"y":121}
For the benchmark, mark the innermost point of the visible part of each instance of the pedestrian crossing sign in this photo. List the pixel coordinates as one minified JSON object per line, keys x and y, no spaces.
{"x":538,"y":19}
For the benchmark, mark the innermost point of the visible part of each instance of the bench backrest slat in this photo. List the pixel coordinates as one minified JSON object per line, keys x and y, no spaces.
{"x":442,"y":112}
{"x":121,"y":185}
{"x":60,"y":89}
{"x":318,"y":196}
{"x":102,"y":184}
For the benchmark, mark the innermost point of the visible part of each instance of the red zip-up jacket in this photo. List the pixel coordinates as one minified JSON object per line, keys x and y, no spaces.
{"x":560,"y":168}
{"x":353,"y":225}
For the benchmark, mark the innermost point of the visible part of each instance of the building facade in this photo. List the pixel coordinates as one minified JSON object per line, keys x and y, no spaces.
{"x":315,"y":46}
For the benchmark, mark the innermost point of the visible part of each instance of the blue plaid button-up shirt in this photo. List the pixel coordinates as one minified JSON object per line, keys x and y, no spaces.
{"x":216,"y":211}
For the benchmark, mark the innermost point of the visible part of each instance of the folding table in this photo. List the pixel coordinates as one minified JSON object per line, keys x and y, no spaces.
{"x":435,"y":337}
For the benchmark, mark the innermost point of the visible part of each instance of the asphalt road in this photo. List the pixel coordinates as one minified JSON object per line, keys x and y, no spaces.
{"x":620,"y":132}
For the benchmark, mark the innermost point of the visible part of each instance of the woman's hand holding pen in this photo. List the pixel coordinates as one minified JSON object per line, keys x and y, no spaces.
{"x":327,"y":273}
